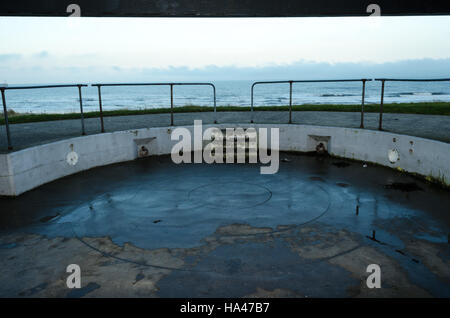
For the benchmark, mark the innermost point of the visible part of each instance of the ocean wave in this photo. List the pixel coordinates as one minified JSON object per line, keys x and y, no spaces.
{"x":417,"y":94}
{"x":337,"y":95}
{"x":274,"y":100}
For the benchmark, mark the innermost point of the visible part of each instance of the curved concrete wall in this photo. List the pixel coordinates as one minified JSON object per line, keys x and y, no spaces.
{"x":29,"y":168}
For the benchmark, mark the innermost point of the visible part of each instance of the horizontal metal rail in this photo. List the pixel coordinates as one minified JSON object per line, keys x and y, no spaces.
{"x":42,"y":86}
{"x":3,"y":89}
{"x":363,"y":80}
{"x":384,"y":80}
{"x":171,"y":84}
{"x":5,"y":109}
{"x":413,"y":79}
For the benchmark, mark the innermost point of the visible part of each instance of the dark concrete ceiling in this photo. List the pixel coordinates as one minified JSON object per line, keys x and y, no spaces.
{"x":223,"y":8}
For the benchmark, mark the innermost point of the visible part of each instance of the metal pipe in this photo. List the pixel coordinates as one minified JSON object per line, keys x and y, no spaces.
{"x":215,"y":112}
{"x":5,"y":114}
{"x":45,"y":86}
{"x":171,"y":84}
{"x":362,"y":102}
{"x":151,"y":84}
{"x":311,"y":81}
{"x":414,"y":79}
{"x":290,"y":102}
{"x":101,"y":109}
{"x":171,"y":104}
{"x":301,"y":81}
{"x":83,"y":132}
{"x":251,"y":105}
{"x":380,"y":124}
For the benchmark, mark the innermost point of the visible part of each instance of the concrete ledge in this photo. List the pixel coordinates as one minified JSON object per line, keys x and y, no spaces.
{"x":29,"y":168}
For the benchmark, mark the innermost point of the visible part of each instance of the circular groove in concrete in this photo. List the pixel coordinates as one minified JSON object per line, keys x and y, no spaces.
{"x":154,"y":204}
{"x":231,"y":194}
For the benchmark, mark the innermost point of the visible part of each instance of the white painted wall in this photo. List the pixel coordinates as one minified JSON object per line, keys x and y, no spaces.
{"x":26,"y":169}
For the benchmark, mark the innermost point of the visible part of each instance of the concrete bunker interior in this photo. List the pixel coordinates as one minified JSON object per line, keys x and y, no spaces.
{"x":152,"y":228}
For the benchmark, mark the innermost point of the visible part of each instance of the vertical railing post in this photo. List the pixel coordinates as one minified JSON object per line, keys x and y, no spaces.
{"x":83,"y":132}
{"x":380,"y":124}
{"x":290,"y":102}
{"x":251,"y":105}
{"x":362,"y":102}
{"x":171,"y":104}
{"x":215,"y":111}
{"x":101,"y":109}
{"x":5,"y":114}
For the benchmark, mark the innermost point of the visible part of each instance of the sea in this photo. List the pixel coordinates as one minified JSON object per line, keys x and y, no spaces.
{"x":228,"y":93}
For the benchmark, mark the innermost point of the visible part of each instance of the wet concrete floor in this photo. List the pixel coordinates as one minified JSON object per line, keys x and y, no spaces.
{"x":150,"y":228}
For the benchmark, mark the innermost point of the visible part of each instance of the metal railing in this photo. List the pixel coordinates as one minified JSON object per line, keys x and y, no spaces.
{"x":154,"y":84}
{"x":5,"y":108}
{"x":383,"y":80}
{"x":3,"y":89}
{"x":363,"y":80}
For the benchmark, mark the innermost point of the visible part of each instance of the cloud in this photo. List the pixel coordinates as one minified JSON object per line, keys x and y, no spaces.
{"x":301,"y":70}
{"x":42,"y":54}
{"x":9,"y":57}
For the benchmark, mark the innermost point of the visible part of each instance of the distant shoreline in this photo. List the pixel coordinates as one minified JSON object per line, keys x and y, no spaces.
{"x":424,"y":108}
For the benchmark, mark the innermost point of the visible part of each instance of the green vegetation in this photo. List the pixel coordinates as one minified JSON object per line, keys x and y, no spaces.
{"x":432,"y":108}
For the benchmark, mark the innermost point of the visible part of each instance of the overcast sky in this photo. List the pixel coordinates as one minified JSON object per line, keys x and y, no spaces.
{"x":44,"y":50}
